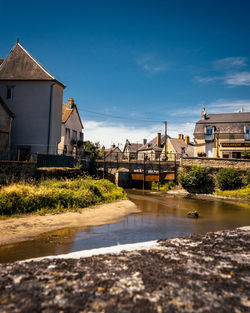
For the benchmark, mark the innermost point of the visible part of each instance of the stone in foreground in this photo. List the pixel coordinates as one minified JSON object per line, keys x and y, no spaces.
{"x":198,"y":273}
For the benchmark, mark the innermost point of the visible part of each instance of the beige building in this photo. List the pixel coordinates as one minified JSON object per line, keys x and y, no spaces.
{"x":130,"y":150}
{"x":113,"y":154}
{"x":225,"y":135}
{"x":6,"y":118}
{"x":35,"y":97}
{"x":153,"y":149}
{"x":71,"y":130}
{"x":177,"y":147}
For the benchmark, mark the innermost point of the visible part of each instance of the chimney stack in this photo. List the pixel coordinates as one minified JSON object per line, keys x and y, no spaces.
{"x":144,"y":142}
{"x":180,"y":136}
{"x":187,"y":141}
{"x":158,"y":139}
{"x":70,"y":103}
{"x":203,"y":114}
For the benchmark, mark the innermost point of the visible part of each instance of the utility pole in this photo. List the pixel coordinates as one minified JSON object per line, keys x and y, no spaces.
{"x":165,"y":122}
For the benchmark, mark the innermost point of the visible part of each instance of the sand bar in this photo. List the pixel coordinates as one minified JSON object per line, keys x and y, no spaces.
{"x":17,"y":229}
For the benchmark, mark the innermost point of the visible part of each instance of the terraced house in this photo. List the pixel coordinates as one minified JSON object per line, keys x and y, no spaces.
{"x":35,"y":98}
{"x":225,"y":135}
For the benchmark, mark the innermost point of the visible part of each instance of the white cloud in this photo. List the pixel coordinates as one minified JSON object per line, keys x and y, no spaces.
{"x":207,"y":79}
{"x":230,"y":62}
{"x":228,"y":106}
{"x":108,"y":133}
{"x":151,"y":64}
{"x":238,"y":79}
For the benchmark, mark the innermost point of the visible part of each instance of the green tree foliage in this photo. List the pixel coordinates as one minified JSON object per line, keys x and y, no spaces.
{"x":229,"y":179}
{"x":92,"y":148}
{"x":196,"y":179}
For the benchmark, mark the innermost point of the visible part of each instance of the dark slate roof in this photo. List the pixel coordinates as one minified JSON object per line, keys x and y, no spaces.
{"x":152,"y":145}
{"x":178,"y":144}
{"x":224,"y":123}
{"x":132,"y":147}
{"x":20,"y":65}
{"x":4,"y":105}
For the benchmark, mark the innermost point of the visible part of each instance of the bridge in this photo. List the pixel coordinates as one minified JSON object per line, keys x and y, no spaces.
{"x":137,"y":173}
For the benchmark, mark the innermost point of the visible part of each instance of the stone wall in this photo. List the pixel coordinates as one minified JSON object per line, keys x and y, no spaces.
{"x":240,"y":164}
{"x":14,"y":170}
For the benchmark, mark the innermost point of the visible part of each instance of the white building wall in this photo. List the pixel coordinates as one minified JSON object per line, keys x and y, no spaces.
{"x":30,"y":104}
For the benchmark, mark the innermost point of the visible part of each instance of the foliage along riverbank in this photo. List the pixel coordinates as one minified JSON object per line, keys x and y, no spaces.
{"x":55,"y":196}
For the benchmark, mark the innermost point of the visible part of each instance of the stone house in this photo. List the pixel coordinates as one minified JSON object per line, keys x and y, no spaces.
{"x":113,"y":154}
{"x":71,"y":130}
{"x":130,"y":150}
{"x":35,"y":97}
{"x":153,"y":149}
{"x":177,"y":147}
{"x":6,"y":118}
{"x":225,"y":135}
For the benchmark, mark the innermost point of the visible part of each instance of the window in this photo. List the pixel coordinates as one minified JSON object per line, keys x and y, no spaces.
{"x":81,"y":136}
{"x":247,"y":133}
{"x":74,"y":134}
{"x":209,"y":131}
{"x":209,"y":136}
{"x":10,"y":90}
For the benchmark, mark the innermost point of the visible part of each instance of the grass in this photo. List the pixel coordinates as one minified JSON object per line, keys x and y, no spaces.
{"x":243,"y":192}
{"x":163,"y":187}
{"x":55,"y":196}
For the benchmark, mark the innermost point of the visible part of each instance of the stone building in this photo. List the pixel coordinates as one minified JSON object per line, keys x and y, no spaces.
{"x":6,"y":118}
{"x":225,"y":135}
{"x":71,"y":130}
{"x":153,"y":149}
{"x":177,"y":147}
{"x":35,"y":97}
{"x":130,"y":150}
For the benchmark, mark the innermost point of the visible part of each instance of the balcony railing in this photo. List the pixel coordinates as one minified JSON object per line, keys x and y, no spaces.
{"x":209,"y":137}
{"x":247,"y":136}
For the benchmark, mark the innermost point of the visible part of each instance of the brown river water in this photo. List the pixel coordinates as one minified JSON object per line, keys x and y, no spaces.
{"x":161,"y":216}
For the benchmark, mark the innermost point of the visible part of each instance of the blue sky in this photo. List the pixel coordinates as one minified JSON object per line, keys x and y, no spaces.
{"x":144,"y":61}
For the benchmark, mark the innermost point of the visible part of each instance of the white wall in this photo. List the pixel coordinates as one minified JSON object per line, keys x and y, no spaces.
{"x":30,"y":104}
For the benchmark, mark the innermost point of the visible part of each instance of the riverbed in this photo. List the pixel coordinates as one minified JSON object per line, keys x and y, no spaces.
{"x":158,"y":215}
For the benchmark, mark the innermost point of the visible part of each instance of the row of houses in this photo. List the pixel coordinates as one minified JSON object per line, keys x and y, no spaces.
{"x":225,"y":135}
{"x":33,"y":118}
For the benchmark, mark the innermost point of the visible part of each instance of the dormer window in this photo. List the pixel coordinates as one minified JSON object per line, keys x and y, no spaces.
{"x":10,"y":91}
{"x":209,"y":133}
{"x":247,"y":133}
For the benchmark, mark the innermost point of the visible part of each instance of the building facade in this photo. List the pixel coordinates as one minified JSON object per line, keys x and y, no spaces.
{"x":130,"y":150}
{"x":35,"y":97}
{"x":177,"y":147}
{"x":71,"y":130}
{"x":225,"y":135}
{"x":6,"y":118}
{"x":153,"y":150}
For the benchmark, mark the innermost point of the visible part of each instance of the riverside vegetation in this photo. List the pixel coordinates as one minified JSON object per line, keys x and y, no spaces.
{"x":197,"y":179}
{"x":55,"y":196}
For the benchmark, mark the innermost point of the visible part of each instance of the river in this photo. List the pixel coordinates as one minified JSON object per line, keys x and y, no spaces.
{"x":161,"y":216}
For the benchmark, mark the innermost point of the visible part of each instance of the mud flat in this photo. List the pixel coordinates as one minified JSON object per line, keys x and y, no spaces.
{"x":199,"y":273}
{"x":16,"y":229}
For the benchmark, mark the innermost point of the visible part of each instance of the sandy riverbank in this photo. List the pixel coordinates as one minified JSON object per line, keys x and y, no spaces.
{"x":16,"y":229}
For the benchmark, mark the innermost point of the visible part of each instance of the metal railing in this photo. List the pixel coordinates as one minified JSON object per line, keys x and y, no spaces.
{"x":247,"y":136}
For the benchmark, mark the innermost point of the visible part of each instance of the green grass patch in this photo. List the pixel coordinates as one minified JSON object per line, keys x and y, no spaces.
{"x":163,"y":187}
{"x":243,"y":192}
{"x":56,"y":196}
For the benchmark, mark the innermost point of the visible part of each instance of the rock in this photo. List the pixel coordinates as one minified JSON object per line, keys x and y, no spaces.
{"x":194,"y":214}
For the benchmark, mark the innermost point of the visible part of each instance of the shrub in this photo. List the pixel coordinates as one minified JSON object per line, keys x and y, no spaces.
{"x":164,"y":187}
{"x":57,"y":195}
{"x":248,"y":178}
{"x":229,"y":179}
{"x":196,"y":179}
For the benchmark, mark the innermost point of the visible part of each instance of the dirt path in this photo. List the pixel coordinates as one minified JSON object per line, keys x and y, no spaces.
{"x":27,"y":227}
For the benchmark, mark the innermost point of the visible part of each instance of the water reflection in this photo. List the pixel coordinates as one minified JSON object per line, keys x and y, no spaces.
{"x":161,"y":216}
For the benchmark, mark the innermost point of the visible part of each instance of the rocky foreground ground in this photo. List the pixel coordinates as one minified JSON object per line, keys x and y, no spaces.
{"x":208,"y":273}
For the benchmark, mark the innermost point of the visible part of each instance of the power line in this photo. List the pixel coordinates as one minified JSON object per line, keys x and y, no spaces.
{"x":121,"y":117}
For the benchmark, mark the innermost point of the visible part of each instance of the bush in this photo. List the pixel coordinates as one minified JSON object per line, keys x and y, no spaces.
{"x":229,"y":179}
{"x":248,"y":178}
{"x":56,"y":195}
{"x":163,"y":187}
{"x":196,"y":179}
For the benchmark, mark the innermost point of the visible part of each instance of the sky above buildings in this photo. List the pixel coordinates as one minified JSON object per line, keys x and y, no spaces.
{"x":130,"y":65}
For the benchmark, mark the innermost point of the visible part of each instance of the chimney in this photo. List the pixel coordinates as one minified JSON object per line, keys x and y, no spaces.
{"x":187,"y":141}
{"x":70,"y":103}
{"x":144,"y":141}
{"x":158,"y":139}
{"x":203,"y":114}
{"x":242,"y":110}
{"x":180,"y":136}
